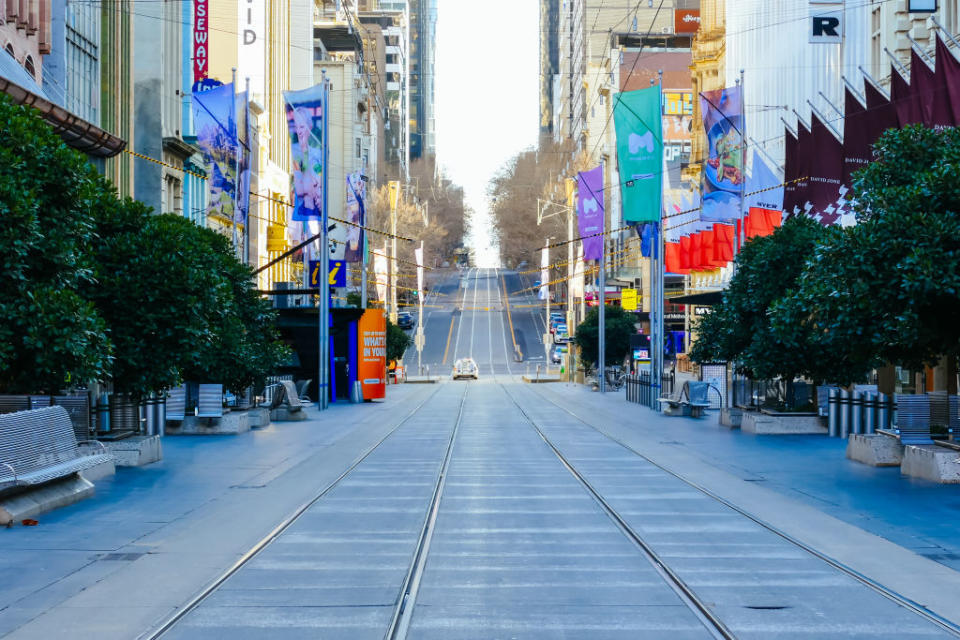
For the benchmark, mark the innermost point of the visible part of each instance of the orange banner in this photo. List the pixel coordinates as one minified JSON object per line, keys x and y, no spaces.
{"x":372,"y":354}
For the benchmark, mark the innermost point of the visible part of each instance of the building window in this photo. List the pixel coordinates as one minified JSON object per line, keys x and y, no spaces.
{"x":172,"y":195}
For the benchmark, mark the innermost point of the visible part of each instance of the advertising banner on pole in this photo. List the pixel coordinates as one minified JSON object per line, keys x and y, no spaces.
{"x":243,"y":186}
{"x":590,"y":213}
{"x":216,"y":126}
{"x":372,"y":356}
{"x":639,"y":128}
{"x":305,"y":113}
{"x":723,"y":172}
{"x":544,"y":274}
{"x":380,"y":273}
{"x":356,"y":213}
{"x":418,"y":254}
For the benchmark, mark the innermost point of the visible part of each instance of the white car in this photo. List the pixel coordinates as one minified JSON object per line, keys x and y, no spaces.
{"x":466,"y":368}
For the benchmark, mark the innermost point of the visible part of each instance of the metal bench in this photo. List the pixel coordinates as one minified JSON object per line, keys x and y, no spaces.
{"x":210,"y":401}
{"x":302,"y":386}
{"x":691,"y":399}
{"x":913,"y":418}
{"x":39,"y":445}
{"x":286,"y":395}
{"x":176,"y":405}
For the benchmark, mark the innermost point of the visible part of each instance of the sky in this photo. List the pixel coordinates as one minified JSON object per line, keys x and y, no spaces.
{"x":487,"y":97}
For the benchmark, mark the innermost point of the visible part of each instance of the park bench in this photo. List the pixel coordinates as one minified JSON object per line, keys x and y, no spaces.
{"x":302,"y":390}
{"x":176,"y":405}
{"x":286,"y":396}
{"x":210,"y":401}
{"x":690,"y":399}
{"x":39,"y":446}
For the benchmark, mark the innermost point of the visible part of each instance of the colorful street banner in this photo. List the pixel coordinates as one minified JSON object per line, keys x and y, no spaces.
{"x":243,"y":127}
{"x":639,"y":128}
{"x":305,"y":112}
{"x":723,"y":172}
{"x":764,"y":188}
{"x":590,"y":213}
{"x":418,"y":257}
{"x":215,"y":122}
{"x":356,"y":213}
{"x":544,"y":292}
{"x":381,"y":274}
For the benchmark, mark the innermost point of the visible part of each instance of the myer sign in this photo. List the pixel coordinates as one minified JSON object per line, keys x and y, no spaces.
{"x":826,"y":22}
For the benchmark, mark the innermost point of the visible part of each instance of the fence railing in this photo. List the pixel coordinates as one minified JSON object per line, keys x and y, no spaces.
{"x":640,"y":390}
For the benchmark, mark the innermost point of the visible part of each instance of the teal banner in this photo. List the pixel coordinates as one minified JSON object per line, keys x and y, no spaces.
{"x":639,"y":126}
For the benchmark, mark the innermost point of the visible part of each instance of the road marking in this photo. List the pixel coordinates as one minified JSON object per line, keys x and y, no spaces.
{"x":453,"y":319}
{"x":463,"y":299}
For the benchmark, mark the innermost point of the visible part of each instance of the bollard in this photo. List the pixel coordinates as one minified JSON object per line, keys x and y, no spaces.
{"x":844,"y":413}
{"x":833,"y":412}
{"x":856,"y":411}
{"x":103,"y":413}
{"x":869,"y":412}
{"x":160,"y":414}
{"x":883,"y":412}
{"x":356,"y":392}
{"x":149,"y":419}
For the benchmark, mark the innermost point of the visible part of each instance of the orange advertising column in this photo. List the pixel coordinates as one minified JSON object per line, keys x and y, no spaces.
{"x":372,"y":356}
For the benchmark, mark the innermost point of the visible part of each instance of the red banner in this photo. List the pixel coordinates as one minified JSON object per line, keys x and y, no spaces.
{"x":201,"y":32}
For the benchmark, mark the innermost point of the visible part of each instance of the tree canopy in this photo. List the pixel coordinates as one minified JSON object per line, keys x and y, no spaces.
{"x":619,"y":325}
{"x":99,"y":288}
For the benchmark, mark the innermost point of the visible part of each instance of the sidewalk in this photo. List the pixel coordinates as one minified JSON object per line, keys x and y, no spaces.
{"x":116,"y":564}
{"x":918,"y":515}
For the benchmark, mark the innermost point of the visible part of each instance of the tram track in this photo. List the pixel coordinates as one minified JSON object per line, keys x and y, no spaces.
{"x":897,"y":598}
{"x":407,"y":593}
{"x":700,"y":609}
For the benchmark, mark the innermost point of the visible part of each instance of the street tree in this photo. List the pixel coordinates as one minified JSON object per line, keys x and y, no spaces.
{"x":51,"y":338}
{"x":739,"y":329}
{"x":619,"y":326}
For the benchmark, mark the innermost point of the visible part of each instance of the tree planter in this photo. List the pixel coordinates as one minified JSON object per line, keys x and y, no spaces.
{"x":232,"y":423}
{"x":771,"y":423}
{"x":731,"y":418}
{"x":875,"y":449}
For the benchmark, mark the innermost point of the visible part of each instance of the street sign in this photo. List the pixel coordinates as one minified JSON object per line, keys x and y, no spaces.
{"x":338,"y":273}
{"x":826,"y":22}
{"x":628,"y":299}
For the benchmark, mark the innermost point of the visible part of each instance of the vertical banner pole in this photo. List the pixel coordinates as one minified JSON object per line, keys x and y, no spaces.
{"x":246,"y":225}
{"x":602,"y":294}
{"x":657,"y":348}
{"x":236,"y":161}
{"x":324,"y":306}
{"x":741,"y":232}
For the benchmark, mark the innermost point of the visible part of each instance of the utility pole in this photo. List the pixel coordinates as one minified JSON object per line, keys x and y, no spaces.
{"x":323,"y":381}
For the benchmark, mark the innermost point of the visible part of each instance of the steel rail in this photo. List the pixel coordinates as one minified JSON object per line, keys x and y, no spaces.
{"x":703,"y":612}
{"x":407,"y":598}
{"x":888,"y":593}
{"x":171,"y":621}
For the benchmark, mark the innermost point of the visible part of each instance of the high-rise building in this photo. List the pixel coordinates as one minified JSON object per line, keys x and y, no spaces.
{"x":549,"y":60}
{"x":423,"y":41}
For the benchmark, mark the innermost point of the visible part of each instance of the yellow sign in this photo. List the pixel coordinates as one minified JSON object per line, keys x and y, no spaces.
{"x":677,"y":103}
{"x":276,"y":238}
{"x":393,"y":188}
{"x":571,"y":186}
{"x":628,"y":299}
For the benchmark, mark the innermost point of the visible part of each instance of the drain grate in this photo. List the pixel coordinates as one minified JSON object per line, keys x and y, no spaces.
{"x":121,"y":557}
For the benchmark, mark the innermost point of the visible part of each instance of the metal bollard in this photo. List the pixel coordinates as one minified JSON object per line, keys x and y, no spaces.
{"x":869,"y":412}
{"x":160,"y":414}
{"x":883,"y":413}
{"x":844,"y":413}
{"x":856,"y":411}
{"x":833,"y":412}
{"x":103,"y":413}
{"x":148,"y":409}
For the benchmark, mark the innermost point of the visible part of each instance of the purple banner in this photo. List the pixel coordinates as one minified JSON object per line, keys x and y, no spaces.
{"x":904,"y":100}
{"x":826,"y":172}
{"x":930,"y":87}
{"x":590,"y":216}
{"x":883,"y":115}
{"x":790,"y":171}
{"x":857,"y":136}
{"x":948,"y":66}
{"x":805,"y":153}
